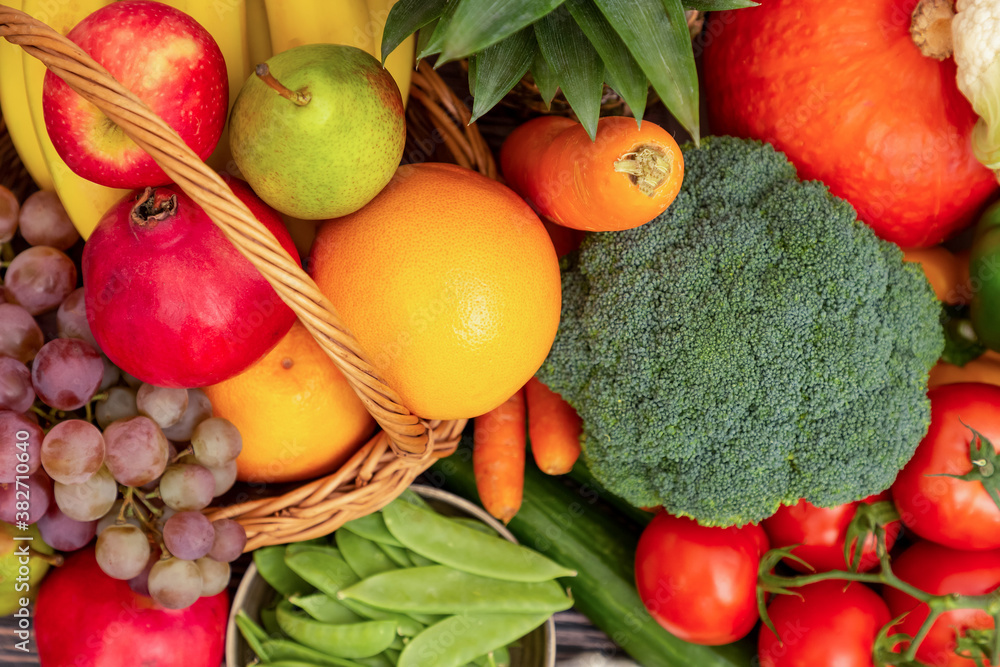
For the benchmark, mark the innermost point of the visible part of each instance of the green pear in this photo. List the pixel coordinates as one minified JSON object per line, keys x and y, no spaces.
{"x":14,"y":584}
{"x":318,"y":130}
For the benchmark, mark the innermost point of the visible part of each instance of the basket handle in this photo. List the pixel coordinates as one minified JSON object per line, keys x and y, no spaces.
{"x":408,"y":433}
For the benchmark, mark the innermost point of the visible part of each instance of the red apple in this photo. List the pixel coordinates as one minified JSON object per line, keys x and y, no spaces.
{"x":170,"y":300}
{"x":163,"y":56}
{"x":84,"y":617}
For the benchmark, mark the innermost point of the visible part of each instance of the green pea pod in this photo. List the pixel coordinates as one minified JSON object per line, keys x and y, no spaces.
{"x":475,"y":524}
{"x":397,"y":555}
{"x":415,"y":499}
{"x":270,"y":562}
{"x":294,"y":663}
{"x":460,"y":639}
{"x":324,"y":608}
{"x":397,"y":645}
{"x":364,"y":556}
{"x":283,"y":649}
{"x":353,"y":640}
{"x":380,"y":660}
{"x":984,"y":275}
{"x":299,"y":547}
{"x":449,"y":543}
{"x":438,"y":589}
{"x":270,"y":623}
{"x":254,"y":635}
{"x":372,"y":527}
{"x":419,"y":560}
{"x":392,"y":655}
{"x":326,"y":569}
{"x":405,"y":625}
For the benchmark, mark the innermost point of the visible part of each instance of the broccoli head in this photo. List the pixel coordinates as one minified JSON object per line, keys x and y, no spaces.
{"x":753,"y":345}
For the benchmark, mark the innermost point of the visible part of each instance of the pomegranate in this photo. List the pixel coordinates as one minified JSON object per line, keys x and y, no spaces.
{"x":170,"y":300}
{"x":84,"y":617}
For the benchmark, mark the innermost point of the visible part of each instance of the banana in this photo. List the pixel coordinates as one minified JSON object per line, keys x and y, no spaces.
{"x":15,"y":111}
{"x":258,"y":34}
{"x":296,"y":22}
{"x":85,"y":201}
{"x":400,"y":62}
{"x":226,"y":21}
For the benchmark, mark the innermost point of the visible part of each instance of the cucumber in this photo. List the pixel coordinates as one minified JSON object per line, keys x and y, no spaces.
{"x":566,"y":526}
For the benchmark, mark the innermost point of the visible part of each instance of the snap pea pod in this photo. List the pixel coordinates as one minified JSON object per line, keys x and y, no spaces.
{"x":474,"y":524}
{"x":439,"y":589}
{"x":299,"y":547}
{"x":291,"y":663}
{"x":414,"y":498}
{"x":392,"y":655}
{"x":353,"y":640}
{"x":270,"y":623}
{"x":397,"y":645}
{"x":405,"y":625}
{"x":283,"y":649}
{"x":324,"y":608}
{"x":380,"y":660}
{"x":364,"y":556}
{"x":325,"y":569}
{"x":270,"y":562}
{"x":444,"y":541}
{"x":464,"y":637}
{"x":372,"y":527}
{"x":253,"y":634}
{"x":397,"y":555}
{"x":497,"y":658}
{"x":419,"y":560}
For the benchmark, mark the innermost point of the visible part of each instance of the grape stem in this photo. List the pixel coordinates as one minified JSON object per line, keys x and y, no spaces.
{"x":181,"y":454}
{"x":145,"y":498}
{"x":770,"y":582}
{"x":90,"y":404}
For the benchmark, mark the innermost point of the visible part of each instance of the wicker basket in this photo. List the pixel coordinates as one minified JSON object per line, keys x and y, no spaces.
{"x":405,"y":445}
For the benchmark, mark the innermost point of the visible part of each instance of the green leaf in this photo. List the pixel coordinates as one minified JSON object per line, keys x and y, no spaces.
{"x":436,"y":39}
{"x":425,"y":34}
{"x":661,"y":44}
{"x":496,"y":69}
{"x":623,"y":72}
{"x":545,"y":78}
{"x":576,"y":64}
{"x":481,"y":23}
{"x":718,"y":5}
{"x":405,"y":18}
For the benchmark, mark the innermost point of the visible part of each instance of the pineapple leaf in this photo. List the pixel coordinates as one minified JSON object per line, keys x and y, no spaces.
{"x":496,"y":69}
{"x":480,"y":23}
{"x":545,"y":78}
{"x":623,"y":72}
{"x":718,"y":5}
{"x":576,"y":64}
{"x":661,"y":44}
{"x":405,"y":18}
{"x":436,"y":39}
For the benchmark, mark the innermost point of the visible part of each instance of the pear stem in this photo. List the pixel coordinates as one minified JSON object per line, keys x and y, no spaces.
{"x":298,"y":96}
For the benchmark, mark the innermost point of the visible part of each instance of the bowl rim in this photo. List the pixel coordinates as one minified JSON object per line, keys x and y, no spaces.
{"x":425,"y":491}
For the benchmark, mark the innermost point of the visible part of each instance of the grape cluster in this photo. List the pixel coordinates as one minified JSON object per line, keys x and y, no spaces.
{"x":102,"y":454}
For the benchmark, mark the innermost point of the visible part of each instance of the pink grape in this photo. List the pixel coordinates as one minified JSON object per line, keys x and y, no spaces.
{"x":164,"y":405}
{"x":188,"y":535}
{"x":230,"y":539}
{"x":120,"y":404}
{"x":111,"y":374}
{"x":186,"y":487}
{"x":175,"y":583}
{"x":90,"y":500}
{"x":214,"y":576}
{"x":20,"y":445}
{"x":225,"y":477}
{"x":137,"y":450}
{"x":26,"y":500}
{"x":111,"y":518}
{"x":140,"y":583}
{"x":122,"y":551}
{"x":216,"y":441}
{"x":63,"y":533}
{"x":8,"y":214}
{"x":66,"y":373}
{"x":44,"y":221}
{"x":16,"y":392}
{"x":20,"y":335}
{"x":39,"y":279}
{"x":199,"y":408}
{"x":71,"y":319}
{"x":72,"y":451}
{"x":131,"y":380}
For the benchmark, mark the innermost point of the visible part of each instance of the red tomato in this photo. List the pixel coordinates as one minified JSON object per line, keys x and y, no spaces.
{"x":953,"y":512}
{"x":833,"y":623}
{"x":700,"y":583}
{"x":940,"y":570}
{"x":822,"y":533}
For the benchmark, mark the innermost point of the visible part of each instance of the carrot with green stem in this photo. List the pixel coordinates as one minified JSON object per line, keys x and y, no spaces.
{"x":498,"y":452}
{"x":553,"y":429}
{"x":623,"y":179}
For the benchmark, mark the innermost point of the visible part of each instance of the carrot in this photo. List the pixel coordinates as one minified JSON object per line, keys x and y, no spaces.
{"x":944,"y":272}
{"x":553,"y":428}
{"x":623,"y":179}
{"x":498,"y":451}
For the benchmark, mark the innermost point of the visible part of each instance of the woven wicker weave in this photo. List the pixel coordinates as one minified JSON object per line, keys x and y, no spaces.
{"x":405,"y":445}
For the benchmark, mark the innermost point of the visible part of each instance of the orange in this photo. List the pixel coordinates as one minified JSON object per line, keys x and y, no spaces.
{"x":450,"y":284}
{"x":298,"y":416}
